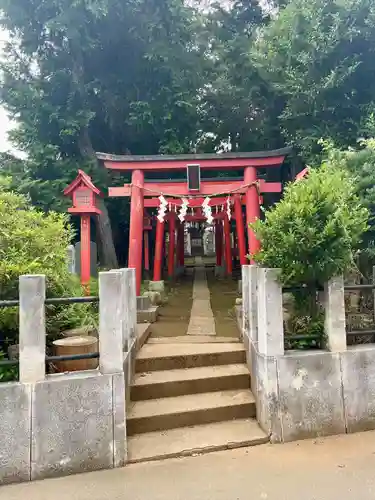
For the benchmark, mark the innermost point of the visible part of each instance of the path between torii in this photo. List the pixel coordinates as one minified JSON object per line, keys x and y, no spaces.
{"x":201,"y":317}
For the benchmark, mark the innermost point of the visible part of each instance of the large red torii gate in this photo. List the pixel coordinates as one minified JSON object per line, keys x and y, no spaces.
{"x":144,"y":194}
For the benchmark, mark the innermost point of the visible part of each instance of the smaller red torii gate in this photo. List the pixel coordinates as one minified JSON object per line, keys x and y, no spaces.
{"x":144,"y":194}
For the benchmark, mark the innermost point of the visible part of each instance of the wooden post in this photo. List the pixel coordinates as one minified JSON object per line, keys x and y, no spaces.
{"x":136,"y":226}
{"x":181,"y":245}
{"x":219,"y":242}
{"x":172,"y":245}
{"x":240,"y":230}
{"x":227,"y":244}
{"x":158,"y":259}
{"x":85,"y":253}
{"x":252,"y":209}
{"x":146,"y":250}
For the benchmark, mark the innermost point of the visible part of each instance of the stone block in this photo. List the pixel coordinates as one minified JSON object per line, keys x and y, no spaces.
{"x":310,"y":392}
{"x":72,"y":425}
{"x":120,"y":451}
{"x":335,"y":324}
{"x":358,"y":375}
{"x":270,"y":313}
{"x":245,"y":285}
{"x":93,"y":258}
{"x":15,"y":432}
{"x":147,"y":316}
{"x":156,"y":286}
{"x":111,"y":321}
{"x":156,"y":298}
{"x":219,"y":271}
{"x":143,"y":302}
{"x":32,"y":334}
{"x":253,"y":303}
{"x":267,"y":400}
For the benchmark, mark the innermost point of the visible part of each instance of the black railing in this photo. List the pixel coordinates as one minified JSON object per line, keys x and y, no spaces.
{"x":349,"y":288}
{"x":54,"y":301}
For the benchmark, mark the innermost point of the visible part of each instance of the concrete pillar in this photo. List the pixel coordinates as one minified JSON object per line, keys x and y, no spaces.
{"x":245,"y":283}
{"x":129,"y":317}
{"x":253,"y":303}
{"x":131,"y":302}
{"x":335,"y":324}
{"x":111,"y":292}
{"x":270,"y":313}
{"x":32,"y":334}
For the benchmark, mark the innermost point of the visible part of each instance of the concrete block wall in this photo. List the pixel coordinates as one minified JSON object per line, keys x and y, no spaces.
{"x":312,"y":393}
{"x":53,"y":425}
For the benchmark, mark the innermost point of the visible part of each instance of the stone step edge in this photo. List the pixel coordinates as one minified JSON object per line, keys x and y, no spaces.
{"x":203,"y":450}
{"x":198,"y":370}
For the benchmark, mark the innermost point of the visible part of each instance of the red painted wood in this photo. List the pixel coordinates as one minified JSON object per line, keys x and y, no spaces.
{"x":136,"y":227}
{"x":181,"y":244}
{"x":224,"y":163}
{"x":240,"y":231}
{"x":85,"y":253}
{"x":159,"y":243}
{"x":252,"y":210}
{"x":228,"y":246}
{"x":208,"y":188}
{"x":219,"y":242}
{"x":146,"y":250}
{"x":172,"y":246}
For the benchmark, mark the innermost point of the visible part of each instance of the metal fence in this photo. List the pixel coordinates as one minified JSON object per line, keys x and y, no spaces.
{"x":53,"y":301}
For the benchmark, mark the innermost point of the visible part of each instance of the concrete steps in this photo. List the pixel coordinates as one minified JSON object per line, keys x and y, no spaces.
{"x":175,"y":356}
{"x":198,"y":439}
{"x":190,"y":398}
{"x":169,"y":383}
{"x":183,"y":411}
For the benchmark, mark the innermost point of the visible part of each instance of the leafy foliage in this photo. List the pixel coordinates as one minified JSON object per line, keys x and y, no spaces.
{"x":312,"y":233}
{"x":361,"y":164}
{"x":318,"y":56}
{"x":32,"y":242}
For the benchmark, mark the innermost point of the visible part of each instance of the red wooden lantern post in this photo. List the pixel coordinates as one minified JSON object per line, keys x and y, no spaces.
{"x":84,"y":193}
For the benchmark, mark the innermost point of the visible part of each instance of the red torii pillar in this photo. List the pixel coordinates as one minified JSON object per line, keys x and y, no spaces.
{"x":136,"y":226}
{"x":252,"y":208}
{"x":181,"y":245}
{"x":159,"y":243}
{"x":240,"y":230}
{"x":172,"y":245}
{"x":228,"y":246}
{"x":219,"y":242}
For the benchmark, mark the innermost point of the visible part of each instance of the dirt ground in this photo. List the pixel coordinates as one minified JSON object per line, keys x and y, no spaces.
{"x":223,"y":294}
{"x":174,"y":316}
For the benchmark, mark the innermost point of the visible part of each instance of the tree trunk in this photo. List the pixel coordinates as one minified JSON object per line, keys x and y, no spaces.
{"x":106,"y":246}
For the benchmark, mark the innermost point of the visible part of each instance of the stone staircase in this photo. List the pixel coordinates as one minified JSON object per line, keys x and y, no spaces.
{"x":190,"y":398}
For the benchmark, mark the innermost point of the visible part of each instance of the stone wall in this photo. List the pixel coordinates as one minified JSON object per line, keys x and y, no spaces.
{"x":53,"y":425}
{"x":305,"y":394}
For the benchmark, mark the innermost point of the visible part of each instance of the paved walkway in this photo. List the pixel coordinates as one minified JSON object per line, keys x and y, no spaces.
{"x":338,"y":468}
{"x":201,"y":317}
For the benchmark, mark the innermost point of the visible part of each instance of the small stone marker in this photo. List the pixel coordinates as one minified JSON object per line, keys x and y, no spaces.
{"x":93,"y":256}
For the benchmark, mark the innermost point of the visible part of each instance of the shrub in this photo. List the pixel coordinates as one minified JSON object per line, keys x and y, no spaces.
{"x":312,"y":232}
{"x":32,"y":242}
{"x":311,"y":236}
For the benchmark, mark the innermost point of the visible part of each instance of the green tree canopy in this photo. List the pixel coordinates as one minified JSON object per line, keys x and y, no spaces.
{"x":312,"y":232}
